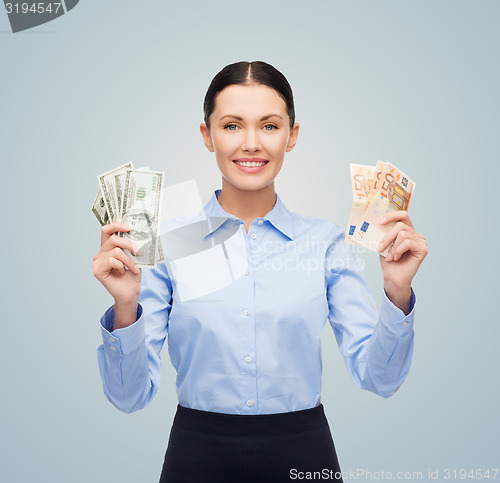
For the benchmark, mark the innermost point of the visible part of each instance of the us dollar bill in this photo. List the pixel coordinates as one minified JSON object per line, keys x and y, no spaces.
{"x":107,"y":185}
{"x":114,"y":200}
{"x":391,"y":190}
{"x":120,"y":186}
{"x":141,"y":204}
{"x":99,"y":209}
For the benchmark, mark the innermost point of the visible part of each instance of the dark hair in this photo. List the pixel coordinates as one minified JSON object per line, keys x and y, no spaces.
{"x":248,"y":73}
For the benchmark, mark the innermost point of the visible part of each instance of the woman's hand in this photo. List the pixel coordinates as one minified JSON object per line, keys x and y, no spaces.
{"x":405,"y":256}
{"x":118,"y":273}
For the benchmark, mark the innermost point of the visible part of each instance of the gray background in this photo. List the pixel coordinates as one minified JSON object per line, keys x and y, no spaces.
{"x":414,"y":83}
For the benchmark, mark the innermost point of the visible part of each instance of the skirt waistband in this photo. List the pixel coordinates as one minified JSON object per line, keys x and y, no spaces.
{"x":251,"y":425}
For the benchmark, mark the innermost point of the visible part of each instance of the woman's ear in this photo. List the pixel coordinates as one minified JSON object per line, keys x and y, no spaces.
{"x":292,"y":139}
{"x":207,"y":139}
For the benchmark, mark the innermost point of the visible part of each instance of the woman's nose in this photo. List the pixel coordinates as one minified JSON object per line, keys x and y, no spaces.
{"x":251,"y":142}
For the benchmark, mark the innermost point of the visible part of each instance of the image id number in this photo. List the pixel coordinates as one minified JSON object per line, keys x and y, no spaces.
{"x":52,"y":7}
{"x":471,"y":474}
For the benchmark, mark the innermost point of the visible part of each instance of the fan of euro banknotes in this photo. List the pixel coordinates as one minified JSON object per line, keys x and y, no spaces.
{"x":134,"y":197}
{"x":376,"y":190}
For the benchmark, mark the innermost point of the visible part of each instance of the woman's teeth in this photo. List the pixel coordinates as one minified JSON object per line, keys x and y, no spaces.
{"x":250,"y":164}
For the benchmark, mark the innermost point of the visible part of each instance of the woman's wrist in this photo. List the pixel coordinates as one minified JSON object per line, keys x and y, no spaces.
{"x":125,"y":312}
{"x":400,"y":296}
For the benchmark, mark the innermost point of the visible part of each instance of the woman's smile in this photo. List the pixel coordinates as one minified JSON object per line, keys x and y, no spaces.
{"x":250,"y":165}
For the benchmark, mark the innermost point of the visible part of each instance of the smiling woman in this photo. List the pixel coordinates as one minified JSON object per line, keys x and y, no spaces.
{"x":248,"y":357}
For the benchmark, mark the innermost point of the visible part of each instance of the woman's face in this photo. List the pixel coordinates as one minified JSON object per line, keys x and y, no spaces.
{"x":249,"y":133}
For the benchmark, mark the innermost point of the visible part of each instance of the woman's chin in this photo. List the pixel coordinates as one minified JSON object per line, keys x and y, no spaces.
{"x":250,"y":184}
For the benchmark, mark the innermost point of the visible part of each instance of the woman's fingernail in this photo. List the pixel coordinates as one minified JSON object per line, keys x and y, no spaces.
{"x":383,"y":219}
{"x":380,"y":246}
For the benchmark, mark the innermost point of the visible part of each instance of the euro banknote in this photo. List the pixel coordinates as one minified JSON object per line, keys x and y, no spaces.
{"x":361,"y":179}
{"x":391,"y":190}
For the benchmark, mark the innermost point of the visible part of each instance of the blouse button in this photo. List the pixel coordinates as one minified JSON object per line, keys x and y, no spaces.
{"x":248,"y":358}
{"x":405,"y":323}
{"x":247,"y":312}
{"x":247,"y":272}
{"x":260,"y":222}
{"x":249,"y":403}
{"x":254,"y":236}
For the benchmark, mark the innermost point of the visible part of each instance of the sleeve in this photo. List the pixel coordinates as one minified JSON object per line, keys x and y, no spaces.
{"x":377,"y":347}
{"x":129,"y":358}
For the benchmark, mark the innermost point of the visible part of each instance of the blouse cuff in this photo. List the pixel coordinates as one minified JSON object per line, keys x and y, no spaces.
{"x":126,"y":339}
{"x":395,"y":317}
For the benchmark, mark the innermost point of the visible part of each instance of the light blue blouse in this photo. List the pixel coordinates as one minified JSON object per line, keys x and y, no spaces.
{"x":253,"y":346}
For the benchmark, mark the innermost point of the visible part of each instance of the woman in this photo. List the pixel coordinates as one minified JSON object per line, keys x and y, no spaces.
{"x":247,"y":355}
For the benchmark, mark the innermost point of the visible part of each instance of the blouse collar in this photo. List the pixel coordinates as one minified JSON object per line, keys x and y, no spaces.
{"x":279,"y":216}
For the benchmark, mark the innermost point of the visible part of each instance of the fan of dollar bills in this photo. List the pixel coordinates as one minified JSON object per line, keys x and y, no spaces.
{"x":376,"y":190}
{"x":134,"y":197}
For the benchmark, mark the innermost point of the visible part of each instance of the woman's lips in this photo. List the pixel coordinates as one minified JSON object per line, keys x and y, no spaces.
{"x":250,"y":165}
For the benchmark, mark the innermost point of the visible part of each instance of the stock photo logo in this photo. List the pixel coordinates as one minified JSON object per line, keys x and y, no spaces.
{"x":27,"y":15}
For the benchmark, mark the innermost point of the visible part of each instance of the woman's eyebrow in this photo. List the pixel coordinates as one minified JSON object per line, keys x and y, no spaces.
{"x":233,"y":116}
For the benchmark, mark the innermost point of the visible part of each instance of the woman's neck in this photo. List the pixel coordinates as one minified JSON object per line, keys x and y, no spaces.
{"x":247,"y":204}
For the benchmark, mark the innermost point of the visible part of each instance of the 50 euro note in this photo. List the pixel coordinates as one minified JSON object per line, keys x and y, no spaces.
{"x":361,"y":179}
{"x":141,"y":204}
{"x":391,"y":191}
{"x":374,"y":189}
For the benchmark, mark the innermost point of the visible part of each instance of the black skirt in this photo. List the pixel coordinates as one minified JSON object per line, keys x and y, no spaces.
{"x":208,"y":447}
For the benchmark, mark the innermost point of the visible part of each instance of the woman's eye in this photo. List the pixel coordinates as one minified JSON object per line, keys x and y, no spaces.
{"x":234,"y":127}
